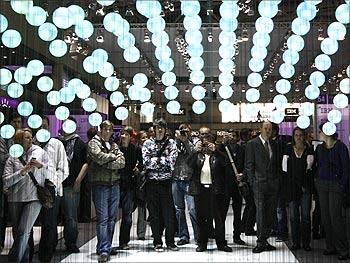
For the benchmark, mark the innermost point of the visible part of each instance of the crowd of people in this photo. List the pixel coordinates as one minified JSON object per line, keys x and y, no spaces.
{"x":162,"y":173}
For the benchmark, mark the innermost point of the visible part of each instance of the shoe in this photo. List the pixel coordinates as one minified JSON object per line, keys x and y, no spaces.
{"x":141,"y":238}
{"x":124,"y":247}
{"x":103,"y":258}
{"x":343,"y":257}
{"x":158,"y":248}
{"x":225,"y":248}
{"x":281,"y":239}
{"x":201,"y":249}
{"x":114,"y":251}
{"x":250,"y":233}
{"x":182,"y":242}
{"x":73,"y":249}
{"x":307,"y":248}
{"x":328,"y":252}
{"x":269,"y":247}
{"x":239,"y":241}
{"x":295,"y":247}
{"x":172,"y":247}
{"x":259,"y":248}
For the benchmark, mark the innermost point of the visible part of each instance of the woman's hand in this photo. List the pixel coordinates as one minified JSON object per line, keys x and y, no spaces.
{"x":36,"y":163}
{"x":26,"y":169}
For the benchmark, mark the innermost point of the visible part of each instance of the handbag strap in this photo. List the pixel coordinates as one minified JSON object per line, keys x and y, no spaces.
{"x":31,"y":175}
{"x":231,"y":160}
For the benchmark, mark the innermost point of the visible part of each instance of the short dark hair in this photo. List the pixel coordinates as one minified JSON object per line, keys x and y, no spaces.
{"x":72,"y":119}
{"x":15,"y":116}
{"x":275,"y":128}
{"x":91,"y":132}
{"x":160,"y":122}
{"x":294,"y":131}
{"x":106,"y":123}
{"x":127,"y":129}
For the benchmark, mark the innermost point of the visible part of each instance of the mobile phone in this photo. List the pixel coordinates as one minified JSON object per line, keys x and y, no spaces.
{"x":33,"y":159}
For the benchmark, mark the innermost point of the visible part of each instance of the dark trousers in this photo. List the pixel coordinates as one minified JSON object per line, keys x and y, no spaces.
{"x":85,"y":202}
{"x":208,"y":206}
{"x":317,"y":227}
{"x":236,"y":207}
{"x":49,"y":237}
{"x":127,"y":205}
{"x":281,"y":224}
{"x":333,"y":216}
{"x":266,"y":204}
{"x":249,"y":213}
{"x":4,"y":217}
{"x":161,"y":210}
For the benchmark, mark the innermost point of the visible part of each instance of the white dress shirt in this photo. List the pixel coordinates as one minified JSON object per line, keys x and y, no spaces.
{"x":268,"y":143}
{"x":205,"y":173}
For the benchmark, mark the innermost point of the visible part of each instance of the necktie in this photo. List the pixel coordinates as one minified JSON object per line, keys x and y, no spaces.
{"x":266,"y":145}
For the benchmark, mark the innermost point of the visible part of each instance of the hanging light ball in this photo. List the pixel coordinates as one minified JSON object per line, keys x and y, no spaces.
{"x":34,"y":121}
{"x":36,"y":16}
{"x":107,"y":70}
{"x":47,"y":31}
{"x":77,"y":13}
{"x":43,"y":135}
{"x":307,"y":109}
{"x":95,"y":119}
{"x":121,"y":113}
{"x":126,"y":40}
{"x":227,"y":52}
{"x":22,"y":75}
{"x":312,"y":92}
{"x":162,"y":52}
{"x":334,"y":116}
{"x":160,"y":39}
{"x":117,"y":98}
{"x":286,"y":70}
{"x":111,"y":21}
{"x":198,"y":92}
{"x":254,"y":80}
{"x":100,"y":55}
{"x":173,"y":107}
{"x":348,"y":71}
{"x":290,"y":57}
{"x":336,"y":30}
{"x":342,"y":13}
{"x":62,"y":113}
{"x":89,"y":104}
{"x":341,"y":101}
{"x":16,"y":151}
{"x":25,"y":108}
{"x":156,"y":24}
{"x":62,"y":18}
{"x":5,"y":76}
{"x":190,"y":8}
{"x":317,"y":78}
{"x":20,"y":6}
{"x":149,"y":9}
{"x":261,"y":39}
{"x":329,"y":46}
{"x":225,"y":106}
{"x":195,"y":50}
{"x":140,"y":80}
{"x":45,"y":84}
{"x":295,"y":43}
{"x":258,"y":52}
{"x":256,"y":64}
{"x":344,"y":86}
{"x":303,"y":122}
{"x":264,"y":24}
{"x":283,"y":86}
{"x":134,"y":92}
{"x":226,"y":65}
{"x":193,"y":37}
{"x":7,"y":131}
{"x":171,"y":93}
{"x":69,"y":126}
{"x":83,"y":92}
{"x":197,"y":77}
{"x":67,"y":95}
{"x":228,"y":25}
{"x":300,"y":26}
{"x":145,"y":95}
{"x":111,"y":83}
{"x":75,"y":84}
{"x":306,"y":11}
{"x":268,"y":8}
{"x":53,"y":97}
{"x":225,"y":79}
{"x":169,"y":78}
{"x":2,"y":117}
{"x":198,"y":107}
{"x":11,"y":38}
{"x":227,"y":38}
{"x":280,"y":101}
{"x":131,"y":54}
{"x":58,"y":48}
{"x":277,"y":116}
{"x":84,"y":29}
{"x":225,"y":92}
{"x":192,"y":23}
{"x":147,"y":108}
{"x":229,"y":10}
{"x":3,"y":23}
{"x":105,"y":2}
{"x":196,"y":63}
{"x":90,"y":65}
{"x":36,"y":67}
{"x":252,"y":95}
{"x":329,"y":128}
{"x":323,"y":62}
{"x":15,"y":90}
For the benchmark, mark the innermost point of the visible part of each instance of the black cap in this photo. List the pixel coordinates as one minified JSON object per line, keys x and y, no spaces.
{"x":160,"y":122}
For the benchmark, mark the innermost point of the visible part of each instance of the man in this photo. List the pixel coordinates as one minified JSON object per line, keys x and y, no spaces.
{"x":230,"y":139}
{"x":182,"y":174}
{"x":57,"y":172}
{"x":261,"y":167}
{"x":159,"y":156}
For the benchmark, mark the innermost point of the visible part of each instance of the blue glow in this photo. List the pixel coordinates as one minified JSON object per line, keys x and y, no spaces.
{"x":226,"y":65}
{"x":252,"y":95}
{"x":16,"y":151}
{"x":291,"y":57}
{"x":307,"y":11}
{"x":25,"y":108}
{"x":156,"y":24}
{"x":225,"y":79}
{"x":7,"y":131}
{"x":134,"y":92}
{"x":90,"y":65}
{"x":256,"y":64}
{"x":95,"y":119}
{"x":160,"y":39}
{"x":166,"y":65}
{"x":47,"y":32}
{"x":145,"y":95}
{"x":254,"y":80}
{"x":140,"y":80}
{"x":303,"y":122}
{"x":173,"y":107}
{"x":258,"y":52}
{"x":131,"y":54}
{"x":111,"y":83}
{"x":198,"y":92}
{"x":190,"y":8}
{"x":227,"y":51}
{"x":126,"y":40}
{"x":193,"y":37}
{"x":264,"y":24}
{"x":225,"y":106}
{"x":36,"y":67}
{"x":3,"y":23}
{"x":283,"y":86}
{"x":198,"y":107}
{"x":344,"y":86}
{"x":20,"y":6}
{"x":121,"y":113}
{"x":197,"y":77}
{"x":295,"y":43}
{"x":317,"y":78}
{"x":342,"y":13}
{"x":149,"y":8}
{"x":280,"y":101}
{"x":336,"y":30}
{"x":195,"y":50}
{"x":45,"y":84}
{"x":162,"y":52}
{"x":112,"y":21}
{"x":89,"y":104}
{"x":225,"y":92}
{"x":196,"y":63}
{"x":43,"y":135}
{"x":334,"y":116}
{"x":341,"y":101}
{"x":329,"y":128}
{"x":83,"y":92}
{"x":69,"y":126}
{"x":229,"y":9}
{"x":147,"y":108}
{"x":22,"y":75}
{"x":75,"y":84}
{"x":268,"y":8}
{"x":77,"y":13}
{"x":277,"y":116}
{"x":329,"y":46}
{"x":84,"y":29}
{"x":169,"y":78}
{"x":5,"y":76}
{"x":286,"y":70}
{"x":312,"y":92}
{"x":117,"y":98}
{"x":11,"y":38}
{"x":192,"y":23}
{"x":227,"y":38}
{"x":58,"y":48}
{"x":36,"y":16}
{"x":15,"y":90}
{"x":67,"y":95}
{"x":100,"y":55}
{"x":62,"y":18}
{"x":53,"y":97}
{"x":307,"y":109}
{"x":300,"y":26}
{"x":171,"y":93}
{"x":2,"y":117}
{"x":228,"y":25}
{"x":323,"y":62}
{"x":107,"y":70}
{"x":261,"y":39}
{"x":62,"y":113}
{"x":105,"y":3}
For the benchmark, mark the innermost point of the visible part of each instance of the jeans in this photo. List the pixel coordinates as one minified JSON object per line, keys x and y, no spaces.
{"x":280,"y":226}
{"x":141,"y":221}
{"x":23,"y":215}
{"x":180,"y":194}
{"x":301,"y":231}
{"x":70,"y":205}
{"x":106,"y":200}
{"x":127,"y":206}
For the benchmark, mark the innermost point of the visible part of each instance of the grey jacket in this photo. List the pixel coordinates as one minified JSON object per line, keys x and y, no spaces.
{"x":21,"y":188}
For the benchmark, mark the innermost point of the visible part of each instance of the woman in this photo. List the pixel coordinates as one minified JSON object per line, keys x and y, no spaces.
{"x":22,"y":194}
{"x":332,"y":183}
{"x":297,"y":163}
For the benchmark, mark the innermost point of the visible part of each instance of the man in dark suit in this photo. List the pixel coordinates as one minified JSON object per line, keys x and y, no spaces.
{"x":261,"y":166}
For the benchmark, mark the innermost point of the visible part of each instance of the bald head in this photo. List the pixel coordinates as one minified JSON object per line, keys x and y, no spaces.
{"x":266,"y":130}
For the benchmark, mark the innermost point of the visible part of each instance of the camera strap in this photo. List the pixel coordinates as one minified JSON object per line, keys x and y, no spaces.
{"x":231,"y":160}
{"x":31,"y":175}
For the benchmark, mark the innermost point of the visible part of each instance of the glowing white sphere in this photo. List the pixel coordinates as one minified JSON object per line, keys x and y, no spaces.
{"x":90,"y":65}
{"x":36,"y":67}
{"x":195,"y":50}
{"x":3,"y":23}
{"x":280,"y":101}
{"x":47,"y":31}
{"x":197,"y":77}
{"x":198,"y":107}
{"x":134,"y":92}
{"x":20,"y":6}
{"x":190,"y":8}
{"x":254,"y":80}
{"x":67,"y":95}
{"x":283,"y":86}
{"x":69,"y":126}
{"x":348,"y":71}
{"x":303,"y":122}
{"x":258,"y":52}
{"x":252,"y":95}
{"x":89,"y":104}
{"x":75,"y":84}
{"x":329,"y":128}
{"x":228,"y":25}
{"x":264,"y":24}
{"x":300,"y":26}
{"x":140,"y":80}
{"x":173,"y":107}
{"x":43,"y":135}
{"x":261,"y":39}
{"x":105,"y":3}
{"x":23,"y":76}
{"x":36,"y":16}
{"x":112,"y":20}
{"x":290,"y":57}
{"x":306,"y":10}
{"x":62,"y":18}
{"x":53,"y":97}
{"x":111,"y":83}
{"x":121,"y":113}
{"x":160,"y":39}
{"x":126,"y":40}
{"x":58,"y":48}
{"x":117,"y":98}
{"x":323,"y":62}
{"x":149,"y":9}
{"x":11,"y":38}
{"x":225,"y":106}
{"x":83,"y":92}
{"x":340,"y":101}
{"x":156,"y":24}
{"x":147,"y":108}
{"x":107,"y":70}
{"x":229,"y":10}
{"x":45,"y":84}
{"x":225,"y":92}
{"x":227,"y":51}
{"x":295,"y":43}
{"x":225,"y":79}
{"x":84,"y":29}
{"x":7,"y":131}
{"x":169,"y":78}
{"x":198,"y":92}
{"x":317,"y":78}
{"x":5,"y":76}
{"x":171,"y":93}
{"x":226,"y":65}
{"x":131,"y":54}
{"x":95,"y":119}
{"x":196,"y":63}
{"x":62,"y":113}
{"x":77,"y":13}
{"x":334,"y":116}
{"x":16,"y":151}
{"x":2,"y":117}
{"x":268,"y":8}
{"x":227,"y":38}
{"x":145,"y":95}
{"x":342,"y":13}
{"x":162,"y":52}
{"x":344,"y":86}
{"x":15,"y":90}
{"x":277,"y":116}
{"x":192,"y":23}
{"x":286,"y":70}
{"x":166,"y":64}
{"x":193,"y":37}
{"x":312,"y":92}
{"x":100,"y":55}
{"x":329,"y":46}
{"x":25,"y":108}
{"x":256,"y":64}
{"x":336,"y":30}
{"x":307,"y":109}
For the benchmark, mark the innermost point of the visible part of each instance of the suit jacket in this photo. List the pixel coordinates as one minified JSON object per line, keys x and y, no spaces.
{"x":262,"y":170}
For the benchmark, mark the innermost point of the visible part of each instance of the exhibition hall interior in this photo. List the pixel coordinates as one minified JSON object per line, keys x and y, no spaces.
{"x":174,"y":130}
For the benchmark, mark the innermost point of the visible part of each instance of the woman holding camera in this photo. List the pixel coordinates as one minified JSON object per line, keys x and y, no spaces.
{"x":21,"y":192}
